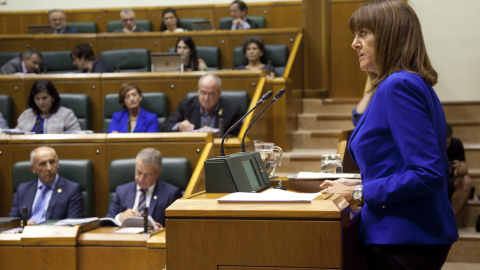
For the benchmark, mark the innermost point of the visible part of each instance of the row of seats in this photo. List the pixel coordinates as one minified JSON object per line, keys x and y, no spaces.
{"x":91,"y":27}
{"x":176,"y":171}
{"x":138,"y":60}
{"x":154,"y":102}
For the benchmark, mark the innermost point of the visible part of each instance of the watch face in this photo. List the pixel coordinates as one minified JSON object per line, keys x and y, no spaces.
{"x":357,"y":194}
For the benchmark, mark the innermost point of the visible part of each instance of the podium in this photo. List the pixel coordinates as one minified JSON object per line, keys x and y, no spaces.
{"x":204,"y":234}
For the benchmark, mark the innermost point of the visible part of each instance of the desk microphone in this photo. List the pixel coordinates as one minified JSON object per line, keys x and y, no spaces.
{"x":145,"y":219}
{"x":262,"y":100}
{"x":277,"y":96}
{"x":24,"y":216}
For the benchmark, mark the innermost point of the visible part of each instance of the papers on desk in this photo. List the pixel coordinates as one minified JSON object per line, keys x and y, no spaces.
{"x":74,"y":221}
{"x":129,"y":230}
{"x":270,"y":195}
{"x":314,"y":176}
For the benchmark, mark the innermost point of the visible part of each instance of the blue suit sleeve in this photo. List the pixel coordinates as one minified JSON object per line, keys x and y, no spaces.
{"x":75,"y":206}
{"x":114,"y":124}
{"x":115,"y":208}
{"x":15,"y":211}
{"x":152,"y":123}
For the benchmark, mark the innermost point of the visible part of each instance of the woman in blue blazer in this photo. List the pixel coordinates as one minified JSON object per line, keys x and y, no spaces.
{"x":399,"y":144}
{"x":134,"y":118}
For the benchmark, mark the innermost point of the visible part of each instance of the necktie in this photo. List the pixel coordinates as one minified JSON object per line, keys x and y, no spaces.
{"x":142,"y":200}
{"x":38,"y":212}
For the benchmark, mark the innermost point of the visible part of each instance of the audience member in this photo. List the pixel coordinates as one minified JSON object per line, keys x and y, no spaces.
{"x":129,"y":22}
{"x":399,"y":144}
{"x":146,"y":191}
{"x":45,"y":115}
{"x":50,"y":196}
{"x":205,"y":111}
{"x":254,"y":50}
{"x":238,"y":11}
{"x":84,"y":59}
{"x":3,"y":123}
{"x":188,"y":53}
{"x":29,"y":62}
{"x":134,"y":118}
{"x":170,"y":21}
{"x":58,"y":21}
{"x":460,"y":183}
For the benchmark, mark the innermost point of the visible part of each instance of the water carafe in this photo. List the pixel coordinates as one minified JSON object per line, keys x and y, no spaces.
{"x":270,"y":155}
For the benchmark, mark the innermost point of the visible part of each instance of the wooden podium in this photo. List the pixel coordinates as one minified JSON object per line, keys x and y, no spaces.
{"x":205,"y":235}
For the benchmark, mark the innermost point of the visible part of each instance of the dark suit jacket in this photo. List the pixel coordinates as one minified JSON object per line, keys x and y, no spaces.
{"x":190,"y":109}
{"x":146,"y":122}
{"x":137,"y":30}
{"x":163,"y":195}
{"x":66,"y":201}
{"x":12,"y":66}
{"x":99,"y":66}
{"x":70,"y":30}
{"x":228,"y":25}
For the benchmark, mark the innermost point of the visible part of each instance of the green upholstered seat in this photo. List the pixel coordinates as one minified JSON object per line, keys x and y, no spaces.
{"x":77,"y":170}
{"x":117,"y":24}
{"x":187,"y":22}
{"x":176,"y":171}
{"x":58,"y":62}
{"x":260,"y":20}
{"x":237,"y":96}
{"x":277,"y":54}
{"x":209,"y":54}
{"x":84,"y":27}
{"x":80,"y":104}
{"x":128,"y":60}
{"x":6,"y":108}
{"x":7,"y":56}
{"x":156,"y":102}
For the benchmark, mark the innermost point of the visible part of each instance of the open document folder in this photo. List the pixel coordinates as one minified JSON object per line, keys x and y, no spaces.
{"x":270,"y":195}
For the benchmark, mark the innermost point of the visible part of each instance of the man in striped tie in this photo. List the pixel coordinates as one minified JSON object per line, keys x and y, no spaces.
{"x":147,"y":190}
{"x":50,"y":196}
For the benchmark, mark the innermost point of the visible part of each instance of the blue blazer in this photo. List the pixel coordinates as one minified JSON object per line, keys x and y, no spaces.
{"x":163,"y":195}
{"x":66,"y":201}
{"x":400,"y":146}
{"x":146,"y":122}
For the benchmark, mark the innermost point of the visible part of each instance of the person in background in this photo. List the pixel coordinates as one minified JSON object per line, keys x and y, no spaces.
{"x":238,"y":11}
{"x":254,"y":50}
{"x":50,"y":196}
{"x":400,"y":145}
{"x":362,"y":105}
{"x":460,"y":183}
{"x":84,"y":58}
{"x":29,"y":62}
{"x":3,"y":123}
{"x":170,"y":21}
{"x":146,"y":191}
{"x":58,"y":21}
{"x":188,"y":53}
{"x":204,"y":111}
{"x":45,"y":115}
{"x":134,"y":118}
{"x":129,"y":22}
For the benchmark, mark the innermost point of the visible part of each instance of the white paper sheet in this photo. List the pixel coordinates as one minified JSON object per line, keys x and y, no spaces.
{"x":270,"y":195}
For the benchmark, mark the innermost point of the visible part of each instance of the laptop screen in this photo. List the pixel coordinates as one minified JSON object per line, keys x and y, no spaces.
{"x":40,"y":29}
{"x":165,"y":62}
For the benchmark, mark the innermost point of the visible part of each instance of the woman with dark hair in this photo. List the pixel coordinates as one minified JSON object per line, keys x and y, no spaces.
{"x":84,"y":58}
{"x":134,"y":118}
{"x":254,"y":50}
{"x":400,"y":145}
{"x":45,"y":115}
{"x":170,"y":21}
{"x":188,"y":52}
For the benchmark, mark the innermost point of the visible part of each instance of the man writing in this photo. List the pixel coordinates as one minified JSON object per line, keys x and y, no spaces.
{"x":58,"y":21}
{"x":146,"y":191}
{"x":205,"y":111}
{"x":29,"y":62}
{"x":50,"y":196}
{"x":129,"y":22}
{"x":238,"y":11}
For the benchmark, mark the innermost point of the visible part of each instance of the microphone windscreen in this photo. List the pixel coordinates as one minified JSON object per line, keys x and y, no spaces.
{"x":280,"y":93}
{"x":267,"y":95}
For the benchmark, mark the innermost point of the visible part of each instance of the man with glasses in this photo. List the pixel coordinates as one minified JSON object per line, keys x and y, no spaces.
{"x":146,"y":191}
{"x":205,"y":112}
{"x":129,"y":22}
{"x":58,"y":21}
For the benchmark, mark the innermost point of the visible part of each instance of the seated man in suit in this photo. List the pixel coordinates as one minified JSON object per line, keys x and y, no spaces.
{"x":50,"y":196}
{"x":205,"y":111}
{"x":238,"y":11}
{"x":3,"y":123}
{"x":29,"y":62}
{"x":58,"y":21}
{"x":129,"y":22}
{"x":146,"y":191}
{"x":84,"y":58}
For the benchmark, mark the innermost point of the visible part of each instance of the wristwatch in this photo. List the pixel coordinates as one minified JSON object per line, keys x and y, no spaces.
{"x":357,"y":195}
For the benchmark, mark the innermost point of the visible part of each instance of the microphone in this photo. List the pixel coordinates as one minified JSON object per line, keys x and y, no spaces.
{"x":39,"y":126}
{"x":275,"y":98}
{"x":145,"y":219}
{"x":24,"y":216}
{"x":262,"y":100}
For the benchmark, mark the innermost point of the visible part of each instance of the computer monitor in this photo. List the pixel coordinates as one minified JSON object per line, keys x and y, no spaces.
{"x":165,"y":62}
{"x":202,"y":25}
{"x":40,"y":29}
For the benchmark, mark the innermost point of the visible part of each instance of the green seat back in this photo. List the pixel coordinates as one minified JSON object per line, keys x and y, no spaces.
{"x":58,"y":62}
{"x":240,"y":97}
{"x":187,"y":22}
{"x":260,"y":20}
{"x":77,"y":170}
{"x":7,"y":56}
{"x":6,"y":108}
{"x":80,"y":105}
{"x":176,"y":171}
{"x":156,"y":102}
{"x":117,"y":24}
{"x":277,"y":54}
{"x":128,"y":60}
{"x":84,"y":27}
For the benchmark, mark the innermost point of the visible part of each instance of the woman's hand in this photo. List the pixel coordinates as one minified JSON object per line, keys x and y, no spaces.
{"x":341,"y":186}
